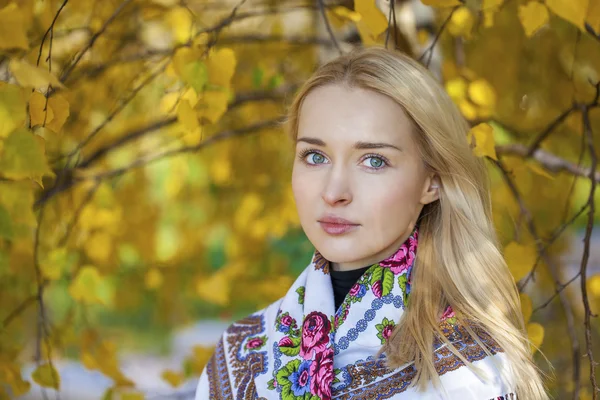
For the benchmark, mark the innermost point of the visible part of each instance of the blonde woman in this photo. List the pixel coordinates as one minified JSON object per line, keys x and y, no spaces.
{"x":407,"y":295}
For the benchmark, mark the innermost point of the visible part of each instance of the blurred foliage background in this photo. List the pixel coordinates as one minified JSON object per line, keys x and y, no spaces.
{"x":144,"y":171}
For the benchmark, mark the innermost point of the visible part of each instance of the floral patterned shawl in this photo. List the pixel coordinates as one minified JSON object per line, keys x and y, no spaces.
{"x":300,"y":347}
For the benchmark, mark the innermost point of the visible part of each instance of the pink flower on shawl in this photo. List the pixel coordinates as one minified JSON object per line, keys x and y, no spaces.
{"x":402,"y":259}
{"x":377,"y":289}
{"x":287,"y":320}
{"x":315,"y":334}
{"x":387,"y":331}
{"x":449,"y":313}
{"x":321,"y":374}
{"x":254,"y":343}
{"x":285,"y":342}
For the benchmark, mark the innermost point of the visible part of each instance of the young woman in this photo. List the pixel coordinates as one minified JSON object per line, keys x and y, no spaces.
{"x":407,"y":295}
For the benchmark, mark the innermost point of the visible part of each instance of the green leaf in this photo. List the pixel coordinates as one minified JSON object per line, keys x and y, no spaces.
{"x":283,"y":378}
{"x":12,"y":108}
{"x":195,"y":74}
{"x":377,"y":274}
{"x":6,"y":229}
{"x":388,"y":281}
{"x":293,"y":350}
{"x":275,"y":81}
{"x":402,"y":279}
{"x":257,"y":77}
{"x":46,"y":375}
{"x":23,"y":156}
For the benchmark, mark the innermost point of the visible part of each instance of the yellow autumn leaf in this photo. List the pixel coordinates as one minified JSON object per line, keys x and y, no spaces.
{"x":187,"y":116}
{"x":46,"y":375}
{"x":180,"y":22}
{"x":482,"y":93}
{"x":441,"y":3}
{"x":89,"y":287}
{"x":132,"y":396}
{"x":31,"y":76}
{"x":12,"y":108}
{"x":520,"y":259}
{"x":483,"y":134}
{"x":189,"y":66}
{"x":23,"y":156}
{"x":461,"y":23}
{"x":10,"y":373}
{"x":535,"y":167}
{"x":153,"y":279}
{"x":526,"y":307}
{"x":13,"y":29}
{"x":593,"y":285}
{"x":372,"y":20}
{"x":457,"y":88}
{"x":574,"y":11}
{"x":535,"y":332}
{"x":38,"y":112}
{"x":213,"y":105}
{"x":533,"y":16}
{"x":60,"y":110}
{"x":88,"y":360}
{"x":221,"y":67}
{"x":490,"y":8}
{"x":174,"y":378}
{"x":467,"y":109}
{"x":339,"y":14}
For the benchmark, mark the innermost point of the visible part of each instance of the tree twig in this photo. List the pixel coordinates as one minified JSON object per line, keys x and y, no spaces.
{"x":328,"y":26}
{"x":587,"y":127}
{"x":95,"y":36}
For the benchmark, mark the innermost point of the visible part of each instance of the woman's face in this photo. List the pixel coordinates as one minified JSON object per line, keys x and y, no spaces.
{"x":356,"y":160}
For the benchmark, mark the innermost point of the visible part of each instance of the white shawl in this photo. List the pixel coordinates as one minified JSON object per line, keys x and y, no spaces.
{"x":300,"y":347}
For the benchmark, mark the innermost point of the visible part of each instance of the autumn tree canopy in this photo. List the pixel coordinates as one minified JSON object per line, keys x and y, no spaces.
{"x":144,"y":171}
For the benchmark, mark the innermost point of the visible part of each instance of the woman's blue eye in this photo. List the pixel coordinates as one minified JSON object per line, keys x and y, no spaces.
{"x":376,"y":162}
{"x":317,"y":158}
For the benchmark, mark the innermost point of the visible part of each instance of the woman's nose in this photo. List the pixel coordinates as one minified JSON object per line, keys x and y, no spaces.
{"x":336,"y":187}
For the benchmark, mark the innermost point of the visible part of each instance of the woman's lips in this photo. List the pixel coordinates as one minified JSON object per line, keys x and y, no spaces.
{"x":337,"y":229}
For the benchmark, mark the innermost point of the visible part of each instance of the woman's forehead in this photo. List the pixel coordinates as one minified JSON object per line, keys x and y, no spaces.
{"x":338,"y":114}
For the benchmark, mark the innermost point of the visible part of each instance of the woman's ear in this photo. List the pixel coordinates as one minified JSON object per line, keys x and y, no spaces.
{"x":431,"y":190}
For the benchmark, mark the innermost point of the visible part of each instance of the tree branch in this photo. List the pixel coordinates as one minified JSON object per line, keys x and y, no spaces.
{"x":328,"y":26}
{"x":548,"y":160}
{"x":576,"y":352}
{"x":67,"y":72}
{"x":587,"y":126}
{"x":549,"y":129}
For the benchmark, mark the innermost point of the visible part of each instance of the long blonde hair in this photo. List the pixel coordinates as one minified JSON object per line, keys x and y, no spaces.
{"x":458,"y":261}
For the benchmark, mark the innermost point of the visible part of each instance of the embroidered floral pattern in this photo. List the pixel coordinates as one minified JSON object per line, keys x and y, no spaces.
{"x":320,"y":262}
{"x":293,"y":356}
{"x":384,"y":329}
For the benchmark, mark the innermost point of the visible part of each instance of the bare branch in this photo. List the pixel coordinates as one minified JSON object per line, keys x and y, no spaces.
{"x":587,"y":126}
{"x":576,"y":352}
{"x":328,"y":26}
{"x":429,"y":51}
{"x":548,"y":160}
{"x":67,"y":72}
{"x":549,"y":129}
{"x":188,"y":149}
{"x":18,"y":311}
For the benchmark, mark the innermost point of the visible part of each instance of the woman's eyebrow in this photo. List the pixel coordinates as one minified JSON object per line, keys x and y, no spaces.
{"x":357,"y":145}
